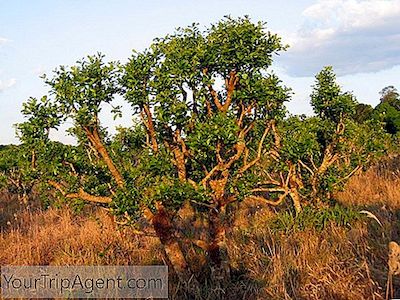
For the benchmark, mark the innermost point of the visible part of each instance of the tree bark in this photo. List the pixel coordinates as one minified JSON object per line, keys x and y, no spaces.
{"x":165,"y":231}
{"x":150,"y":128}
{"x":294,"y":194}
{"x":295,"y":183}
{"x":180,"y":164}
{"x":94,"y":138}
{"x":328,"y":159}
{"x":218,"y":249}
{"x":81,"y":194}
{"x":33,"y":160}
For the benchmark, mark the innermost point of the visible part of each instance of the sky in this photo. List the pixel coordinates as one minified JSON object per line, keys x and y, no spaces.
{"x":360,"y":39}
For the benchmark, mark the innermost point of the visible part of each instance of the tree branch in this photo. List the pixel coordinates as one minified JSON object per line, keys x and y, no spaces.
{"x":274,"y":203}
{"x":81,"y":194}
{"x":305,"y":166}
{"x":213,"y":93}
{"x":150,"y":127}
{"x":230,"y":87}
{"x":258,"y":157}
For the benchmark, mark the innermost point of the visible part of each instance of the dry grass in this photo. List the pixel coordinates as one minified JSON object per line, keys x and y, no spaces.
{"x":58,"y":237}
{"x":337,"y":263}
{"x":332,"y":264}
{"x":379,"y":186}
{"x":373,"y":189}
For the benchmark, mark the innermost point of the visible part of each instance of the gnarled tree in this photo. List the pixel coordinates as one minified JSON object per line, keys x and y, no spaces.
{"x":209,"y":107}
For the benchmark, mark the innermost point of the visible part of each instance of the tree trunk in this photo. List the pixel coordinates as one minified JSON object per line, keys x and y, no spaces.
{"x":294,"y":194}
{"x":295,"y":183}
{"x":150,"y":127}
{"x":166,"y":232}
{"x":33,"y":160}
{"x":94,"y":138}
{"x":218,"y":249}
{"x":180,"y":164}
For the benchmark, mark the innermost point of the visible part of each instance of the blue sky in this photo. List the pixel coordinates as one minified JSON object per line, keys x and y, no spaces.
{"x":361,"y":39}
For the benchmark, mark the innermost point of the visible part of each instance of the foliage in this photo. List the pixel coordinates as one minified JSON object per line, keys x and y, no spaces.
{"x":173,"y":87}
{"x":81,"y":89}
{"x":389,"y":115}
{"x":16,"y":174}
{"x":391,"y":96}
{"x":327,"y":99}
{"x":42,"y":115}
{"x":363,"y":112}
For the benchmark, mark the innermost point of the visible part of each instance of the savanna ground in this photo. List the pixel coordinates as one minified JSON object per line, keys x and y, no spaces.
{"x":300,"y":260}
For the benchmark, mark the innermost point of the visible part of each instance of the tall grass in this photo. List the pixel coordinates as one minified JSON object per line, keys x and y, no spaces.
{"x":374,"y":188}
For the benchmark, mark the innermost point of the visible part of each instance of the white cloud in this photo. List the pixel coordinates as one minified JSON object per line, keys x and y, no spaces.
{"x":3,"y":40}
{"x":7,"y":84}
{"x":352,"y":35}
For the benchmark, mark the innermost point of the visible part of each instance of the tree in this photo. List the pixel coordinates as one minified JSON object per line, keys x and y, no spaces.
{"x":363,"y":113}
{"x":317,"y":155}
{"x":206,"y":135}
{"x":391,"y":96}
{"x":18,"y":164}
{"x":210,"y":129}
{"x":388,"y":110}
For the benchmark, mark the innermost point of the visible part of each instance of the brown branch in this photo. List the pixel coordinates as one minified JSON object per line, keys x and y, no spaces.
{"x":81,"y":194}
{"x":259,"y":150}
{"x":240,"y":146}
{"x":201,"y":244}
{"x":271,"y":180}
{"x":221,"y":166}
{"x":277,"y":189}
{"x":209,"y":110}
{"x":246,"y":130}
{"x":313,"y":163}
{"x":33,"y":160}
{"x":230,"y":87}
{"x":218,"y":153}
{"x":274,"y":203}
{"x":94,"y":138}
{"x":355,"y":170}
{"x":213,"y":93}
{"x":142,"y":116}
{"x":150,"y":127}
{"x":179,"y":154}
{"x":340,"y":127}
{"x":246,"y":155}
{"x":210,"y":174}
{"x":243,"y":113}
{"x":276,"y":135}
{"x":74,"y":173}
{"x":203,"y":204}
{"x":307,"y":167}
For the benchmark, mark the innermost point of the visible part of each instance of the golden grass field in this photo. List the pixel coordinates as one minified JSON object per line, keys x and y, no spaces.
{"x":335,"y":263}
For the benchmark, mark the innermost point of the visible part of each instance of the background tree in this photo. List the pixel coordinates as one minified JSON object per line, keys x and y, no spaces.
{"x":388,"y":110}
{"x":19,"y":164}
{"x":390,"y":95}
{"x":319,"y":154}
{"x":363,"y":113}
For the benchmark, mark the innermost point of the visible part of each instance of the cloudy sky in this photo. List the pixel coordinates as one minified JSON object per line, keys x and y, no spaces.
{"x":360,"y":39}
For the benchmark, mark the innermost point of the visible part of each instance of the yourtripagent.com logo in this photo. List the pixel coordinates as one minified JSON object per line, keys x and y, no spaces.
{"x":84,"y":282}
